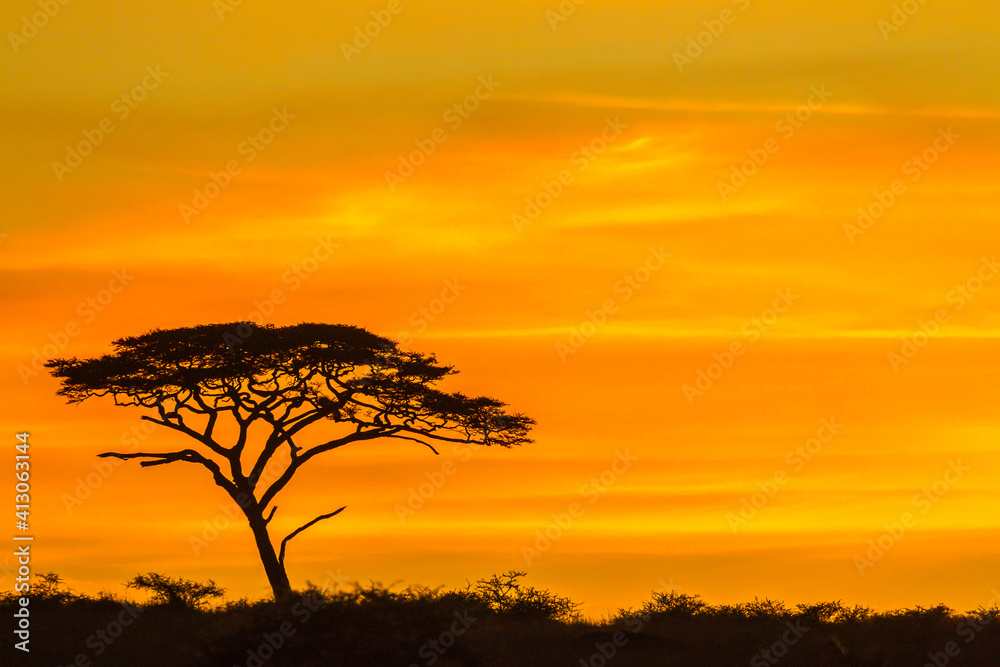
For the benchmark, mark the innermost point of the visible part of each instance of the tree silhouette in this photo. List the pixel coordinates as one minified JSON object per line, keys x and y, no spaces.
{"x":281,"y":380}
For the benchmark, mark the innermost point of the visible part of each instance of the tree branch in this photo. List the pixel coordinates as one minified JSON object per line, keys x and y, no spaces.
{"x":186,"y":455}
{"x":406,"y":437}
{"x":284,"y":428}
{"x":296,"y":463}
{"x":433,"y":434}
{"x":186,"y":430}
{"x":281,"y":554}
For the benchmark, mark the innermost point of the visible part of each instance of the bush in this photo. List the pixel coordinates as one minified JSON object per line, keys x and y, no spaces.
{"x":985,"y":615}
{"x":504,"y":594}
{"x":820,"y":612}
{"x":514,"y":625}
{"x":176,"y":591}
{"x":928,"y":614}
{"x":48,"y":587}
{"x":766,"y":608}
{"x":854,"y":614}
{"x":672,"y":604}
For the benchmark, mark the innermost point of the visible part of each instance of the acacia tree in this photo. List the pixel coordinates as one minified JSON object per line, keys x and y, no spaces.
{"x":281,"y":381}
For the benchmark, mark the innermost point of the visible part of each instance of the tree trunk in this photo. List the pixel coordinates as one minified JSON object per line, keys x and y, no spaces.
{"x":275,"y":570}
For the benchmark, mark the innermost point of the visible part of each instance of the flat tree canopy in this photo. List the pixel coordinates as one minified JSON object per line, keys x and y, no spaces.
{"x":286,"y":379}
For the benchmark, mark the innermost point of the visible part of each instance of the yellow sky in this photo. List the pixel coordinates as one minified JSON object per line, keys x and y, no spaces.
{"x":578,"y":180}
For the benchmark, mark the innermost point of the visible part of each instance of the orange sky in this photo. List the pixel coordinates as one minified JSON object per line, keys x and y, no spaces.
{"x":578,"y":180}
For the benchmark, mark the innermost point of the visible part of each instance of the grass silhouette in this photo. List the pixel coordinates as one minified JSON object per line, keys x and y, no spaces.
{"x":497,"y":621}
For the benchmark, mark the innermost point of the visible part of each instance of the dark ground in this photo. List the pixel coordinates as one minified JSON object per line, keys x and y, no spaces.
{"x":497,"y":622}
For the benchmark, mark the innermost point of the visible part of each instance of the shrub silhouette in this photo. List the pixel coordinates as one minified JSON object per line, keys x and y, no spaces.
{"x":821,"y":612}
{"x":855,"y":614}
{"x":672,"y":604}
{"x":765,"y":608}
{"x":512,"y":624}
{"x":505,"y":595}
{"x":49,"y":587}
{"x":176,"y":591}
{"x":986,"y":615}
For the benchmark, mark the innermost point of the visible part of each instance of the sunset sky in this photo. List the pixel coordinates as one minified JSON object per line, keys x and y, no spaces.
{"x":586,"y":208}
